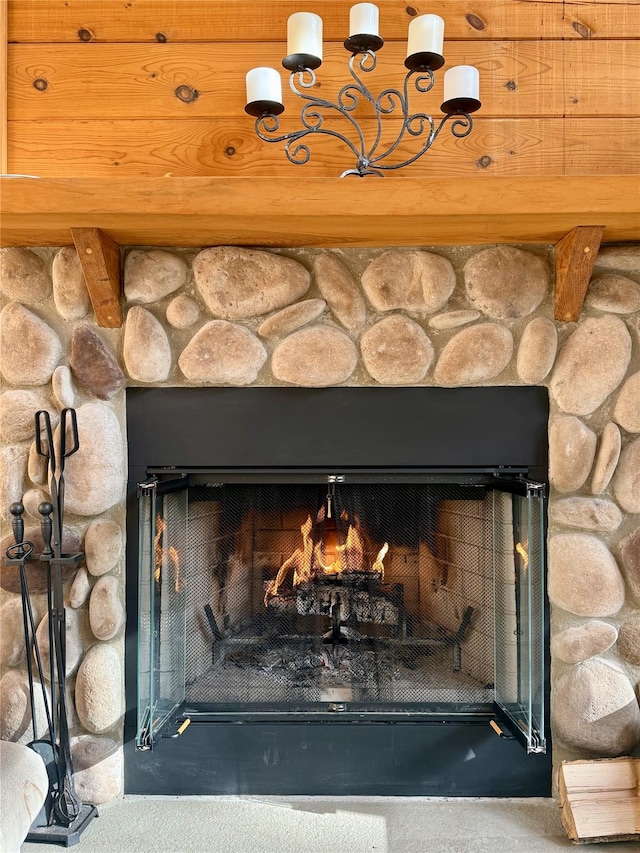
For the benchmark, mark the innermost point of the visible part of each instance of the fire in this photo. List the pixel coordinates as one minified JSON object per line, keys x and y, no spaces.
{"x":524,"y":556}
{"x":326,"y":557}
{"x":159,"y":557}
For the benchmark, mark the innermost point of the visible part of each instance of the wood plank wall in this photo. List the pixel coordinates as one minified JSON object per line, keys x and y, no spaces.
{"x":156,"y":87}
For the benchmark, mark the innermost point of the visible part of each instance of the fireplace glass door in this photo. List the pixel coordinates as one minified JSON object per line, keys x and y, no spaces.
{"x":343,"y":596}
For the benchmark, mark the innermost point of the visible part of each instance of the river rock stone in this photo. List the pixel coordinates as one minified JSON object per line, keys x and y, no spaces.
{"x":31,"y":500}
{"x":25,"y":785}
{"x":70,"y":292}
{"x":36,"y":577}
{"x":95,"y":476}
{"x":316,"y":356}
{"x":99,"y":700}
{"x":630,"y":557}
{"x":146,"y":349}
{"x":62,"y":387}
{"x":92,"y":364}
{"x":505,"y":282}
{"x":572,"y":446}
{"x":626,"y":258}
{"x":80,"y":589}
{"x":537,"y":351}
{"x":12,"y":649}
{"x":182,"y":312}
{"x":627,"y":408}
{"x":595,"y":709}
{"x":103,"y":544}
{"x":629,"y":640}
{"x":152,"y":274}
{"x":73,"y":641}
{"x":591,"y":364}
{"x":580,"y":563}
{"x":97,"y":768}
{"x":106,"y":613}
{"x":291,"y":318}
{"x":475,"y":355}
{"x":416,"y":281}
{"x":30,"y":348}
{"x":36,"y":466}
{"x":13,"y":465}
{"x":588,"y":513}
{"x":222,"y":353}
{"x":453,"y":319}
{"x":341,"y":290}
{"x":238,"y":283}
{"x":396,"y":351}
{"x":23,"y":276}
{"x":584,"y":641}
{"x":626,"y":481}
{"x":17,"y":410}
{"x":614,"y":293}
{"x":607,"y":459}
{"x":15,"y":708}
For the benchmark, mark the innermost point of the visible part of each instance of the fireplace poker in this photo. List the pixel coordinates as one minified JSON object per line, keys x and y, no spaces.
{"x":21,"y":551}
{"x":66,"y":804}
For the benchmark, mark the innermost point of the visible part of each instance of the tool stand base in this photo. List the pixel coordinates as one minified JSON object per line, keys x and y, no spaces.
{"x":65,"y":836}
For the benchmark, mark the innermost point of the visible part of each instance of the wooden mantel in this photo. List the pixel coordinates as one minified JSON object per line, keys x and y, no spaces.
{"x":301,"y":211}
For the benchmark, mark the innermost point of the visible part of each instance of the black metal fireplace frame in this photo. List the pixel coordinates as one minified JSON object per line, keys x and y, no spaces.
{"x":174,"y":431}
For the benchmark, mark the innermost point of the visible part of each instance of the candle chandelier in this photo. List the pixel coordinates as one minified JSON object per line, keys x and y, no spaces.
{"x":304,"y":56}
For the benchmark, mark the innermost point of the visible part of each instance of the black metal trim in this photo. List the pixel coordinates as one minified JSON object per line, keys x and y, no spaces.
{"x":248,"y":714}
{"x":513,"y":728}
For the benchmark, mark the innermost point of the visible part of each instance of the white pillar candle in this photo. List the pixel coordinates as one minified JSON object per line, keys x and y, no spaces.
{"x":461,"y":81}
{"x":304,"y":34}
{"x":426,"y":35}
{"x":363,"y":20}
{"x":264,"y":84}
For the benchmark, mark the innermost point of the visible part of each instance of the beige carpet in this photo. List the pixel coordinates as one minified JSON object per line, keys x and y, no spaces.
{"x":328,"y":825}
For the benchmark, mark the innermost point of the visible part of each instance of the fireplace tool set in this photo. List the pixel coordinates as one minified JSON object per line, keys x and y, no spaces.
{"x":63,"y":816}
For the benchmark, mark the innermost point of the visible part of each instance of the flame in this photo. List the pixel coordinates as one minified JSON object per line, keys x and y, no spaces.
{"x":522,"y":551}
{"x":159,"y":557}
{"x":326,"y":556}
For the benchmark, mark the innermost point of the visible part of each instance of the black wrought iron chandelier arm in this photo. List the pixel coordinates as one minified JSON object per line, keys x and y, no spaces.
{"x":461,"y":126}
{"x":301,"y":153}
{"x":321,"y":103}
{"x":423,"y":81}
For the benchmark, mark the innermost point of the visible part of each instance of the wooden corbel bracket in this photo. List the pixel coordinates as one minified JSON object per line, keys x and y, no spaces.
{"x":576,"y":254}
{"x":100,"y":260}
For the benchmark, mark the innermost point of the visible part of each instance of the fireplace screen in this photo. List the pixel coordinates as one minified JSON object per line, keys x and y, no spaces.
{"x":340,"y":595}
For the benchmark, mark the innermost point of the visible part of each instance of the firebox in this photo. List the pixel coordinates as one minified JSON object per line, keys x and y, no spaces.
{"x":337,"y":591}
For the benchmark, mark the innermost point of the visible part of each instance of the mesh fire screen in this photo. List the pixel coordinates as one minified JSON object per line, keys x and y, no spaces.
{"x":298,"y":595}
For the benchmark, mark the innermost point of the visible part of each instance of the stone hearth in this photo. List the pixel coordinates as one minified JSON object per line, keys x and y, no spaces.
{"x":314,"y":318}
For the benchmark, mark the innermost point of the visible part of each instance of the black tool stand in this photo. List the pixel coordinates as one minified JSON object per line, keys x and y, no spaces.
{"x":47,"y":827}
{"x":42,"y":832}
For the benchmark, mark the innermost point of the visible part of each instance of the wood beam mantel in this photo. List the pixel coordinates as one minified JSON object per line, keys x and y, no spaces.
{"x":299,"y":211}
{"x":576,"y":254}
{"x":100,"y":260}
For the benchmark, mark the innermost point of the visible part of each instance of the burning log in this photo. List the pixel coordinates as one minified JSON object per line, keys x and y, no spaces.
{"x":356,"y":604}
{"x":311,"y":561}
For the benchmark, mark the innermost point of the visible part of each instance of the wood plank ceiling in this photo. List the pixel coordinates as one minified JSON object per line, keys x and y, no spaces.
{"x":132,"y":88}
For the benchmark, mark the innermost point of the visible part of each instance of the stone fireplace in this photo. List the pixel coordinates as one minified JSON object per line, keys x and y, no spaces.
{"x":443,"y":318}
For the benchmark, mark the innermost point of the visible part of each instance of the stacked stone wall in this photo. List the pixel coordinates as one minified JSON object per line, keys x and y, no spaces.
{"x":315,"y":318}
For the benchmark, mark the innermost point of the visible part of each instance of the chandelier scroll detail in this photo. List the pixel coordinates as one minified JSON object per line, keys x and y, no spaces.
{"x":372,"y":156}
